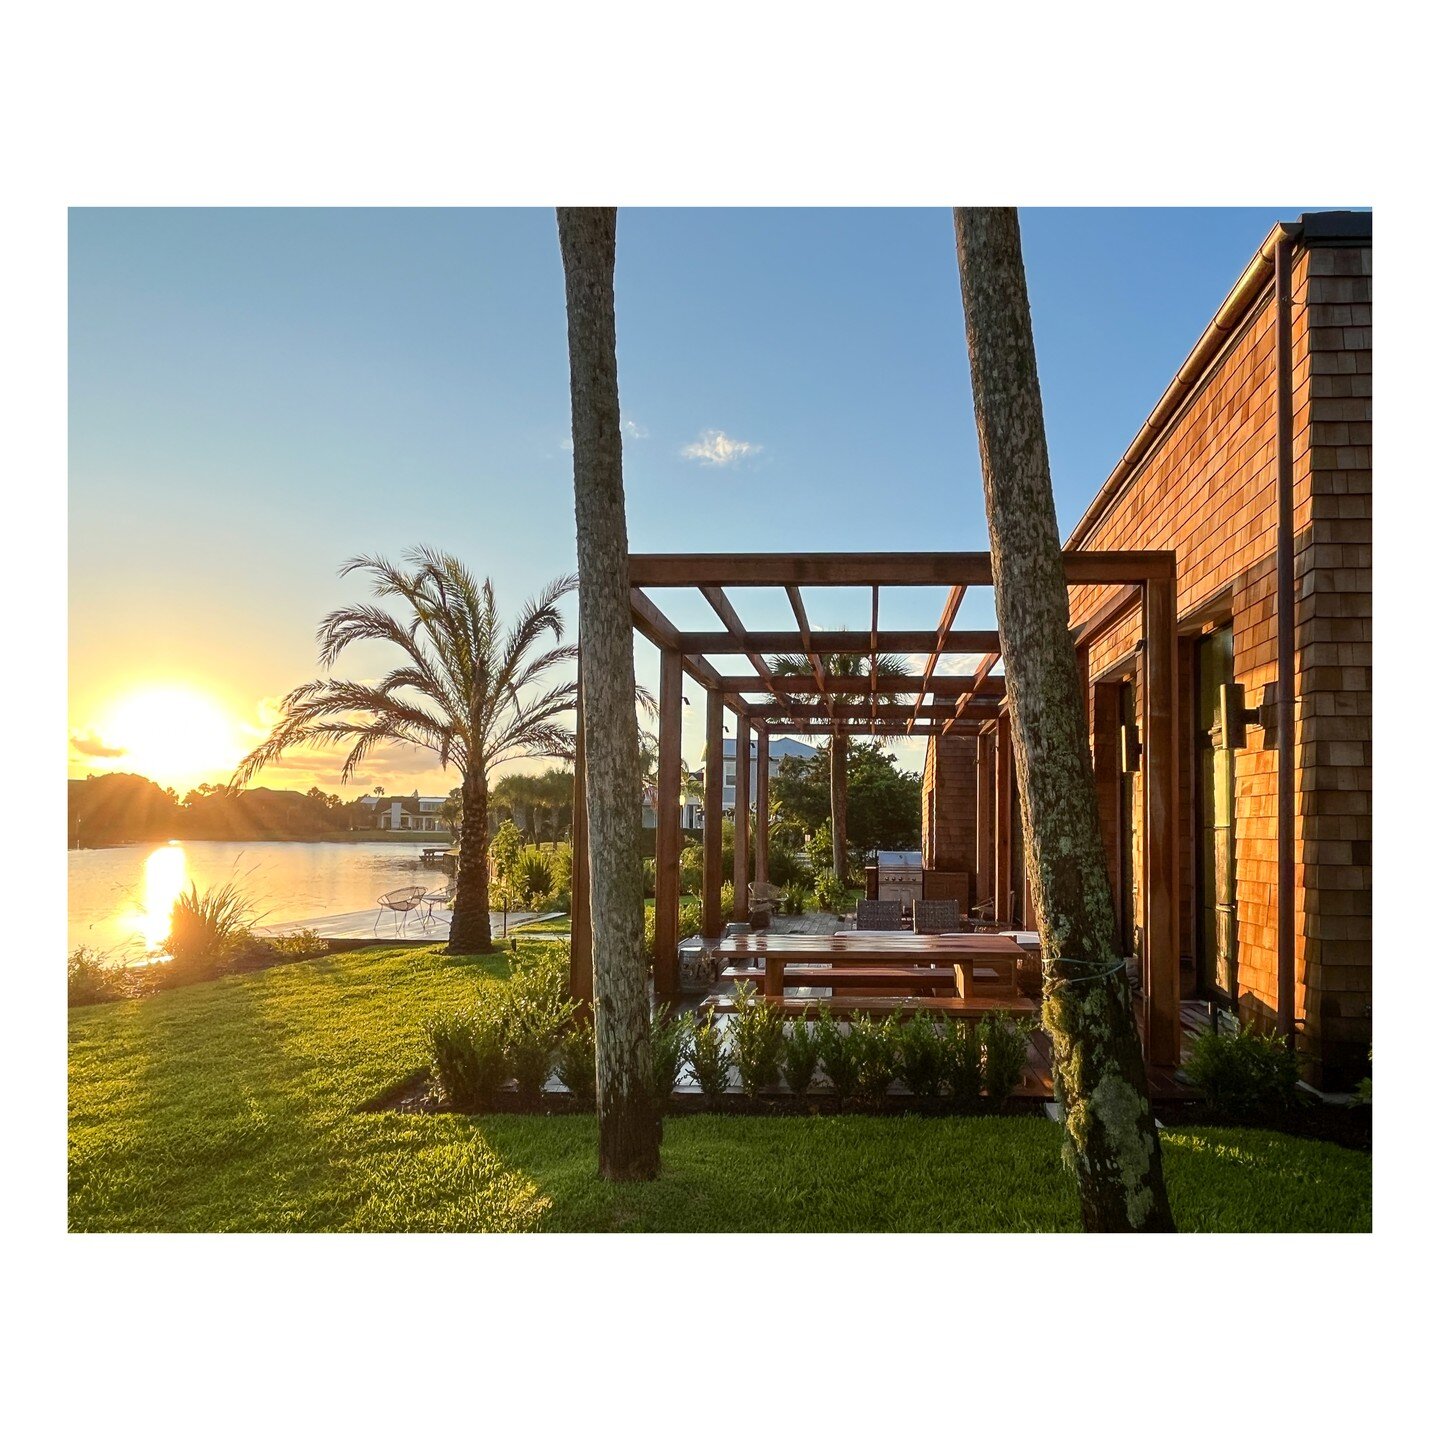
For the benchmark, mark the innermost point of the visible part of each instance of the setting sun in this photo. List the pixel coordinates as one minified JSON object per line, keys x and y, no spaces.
{"x":173,"y":734}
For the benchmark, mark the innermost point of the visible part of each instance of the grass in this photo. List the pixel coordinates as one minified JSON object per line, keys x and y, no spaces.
{"x":235,"y":1105}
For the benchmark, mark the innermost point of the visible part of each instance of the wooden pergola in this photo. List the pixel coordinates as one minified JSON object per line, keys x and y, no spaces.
{"x":764,"y":705}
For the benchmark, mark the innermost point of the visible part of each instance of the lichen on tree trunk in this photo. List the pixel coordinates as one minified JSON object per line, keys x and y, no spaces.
{"x":629,"y":1127}
{"x":1098,"y":1066}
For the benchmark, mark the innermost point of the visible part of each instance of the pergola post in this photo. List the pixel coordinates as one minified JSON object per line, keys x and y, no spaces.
{"x":667,"y":829}
{"x":712,"y":924}
{"x":984,"y":818}
{"x":1162,"y":825}
{"x":742,"y":819}
{"x":762,"y":805}
{"x":1004,"y":808}
{"x":582,"y":960}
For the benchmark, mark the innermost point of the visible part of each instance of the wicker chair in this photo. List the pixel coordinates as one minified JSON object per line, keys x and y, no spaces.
{"x":879,"y":915}
{"x":937,"y":917}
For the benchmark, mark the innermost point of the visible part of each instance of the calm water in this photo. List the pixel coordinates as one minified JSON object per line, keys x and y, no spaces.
{"x":120,"y":898}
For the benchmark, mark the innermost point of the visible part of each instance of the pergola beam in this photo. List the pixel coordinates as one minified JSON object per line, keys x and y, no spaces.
{"x":797,"y":604}
{"x":657,"y":629}
{"x":735,"y":628}
{"x":982,"y":670}
{"x":835,"y":642}
{"x":861,"y":711}
{"x":942,"y":631}
{"x":864,"y":568}
{"x":836,"y":685}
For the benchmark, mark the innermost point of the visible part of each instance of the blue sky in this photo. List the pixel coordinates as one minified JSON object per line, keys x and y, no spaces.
{"x":257,"y":394}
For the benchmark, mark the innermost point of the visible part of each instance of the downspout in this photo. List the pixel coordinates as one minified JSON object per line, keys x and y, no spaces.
{"x":1285,"y":637}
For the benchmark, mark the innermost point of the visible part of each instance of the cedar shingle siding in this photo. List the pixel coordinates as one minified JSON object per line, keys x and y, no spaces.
{"x":1206,"y":490}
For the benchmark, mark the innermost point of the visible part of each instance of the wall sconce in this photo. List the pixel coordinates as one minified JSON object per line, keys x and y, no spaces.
{"x":1236,"y":716}
{"x":1130,"y":749}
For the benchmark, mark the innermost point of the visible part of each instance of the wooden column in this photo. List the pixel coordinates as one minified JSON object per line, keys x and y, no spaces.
{"x":1004,"y":792}
{"x":762,"y":806}
{"x":984,"y":818}
{"x":1108,"y":787}
{"x":712,"y":925}
{"x":1160,"y":758}
{"x":582,"y":960}
{"x":742,"y":819}
{"x":667,"y":829}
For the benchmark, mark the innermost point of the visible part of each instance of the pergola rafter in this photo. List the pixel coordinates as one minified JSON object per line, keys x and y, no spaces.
{"x":944,"y":705}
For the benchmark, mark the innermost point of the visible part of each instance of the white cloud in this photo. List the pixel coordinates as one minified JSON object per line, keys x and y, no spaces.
{"x":632,"y":430}
{"x":715,"y":447}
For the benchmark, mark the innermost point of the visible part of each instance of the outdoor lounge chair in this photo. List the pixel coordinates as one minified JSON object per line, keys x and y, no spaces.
{"x":402,"y":902}
{"x":763,"y":900}
{"x":879,"y":915}
{"x":937,"y":917}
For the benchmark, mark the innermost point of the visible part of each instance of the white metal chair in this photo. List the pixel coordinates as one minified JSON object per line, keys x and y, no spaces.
{"x":402,"y":902}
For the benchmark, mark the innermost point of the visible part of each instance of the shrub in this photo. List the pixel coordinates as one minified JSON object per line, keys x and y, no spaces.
{"x":727,"y":900}
{"x":1006,"y":1044}
{"x":873,"y":1043}
{"x":801,"y":1056}
{"x":783,"y":866}
{"x":795,"y":899}
{"x":93,"y":980}
{"x":758,"y":1031}
{"x":534,"y":1010}
{"x":830,"y":892}
{"x":710,"y":1058}
{"x":647,"y":876}
{"x":692,"y":869}
{"x":467,"y":1057}
{"x":505,"y":848}
{"x":206,"y":930}
{"x":532,"y":879}
{"x":836,"y":1053}
{"x":692,"y":919}
{"x":819,"y":849}
{"x":300,"y":945}
{"x":1243,"y":1072}
{"x":669,"y":1040}
{"x":963,"y":1060}
{"x":920,"y":1057}
{"x":575,"y":1061}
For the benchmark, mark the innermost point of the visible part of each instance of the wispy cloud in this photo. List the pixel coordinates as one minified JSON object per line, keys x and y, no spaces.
{"x":715,"y":447}
{"x":632,"y":429}
{"x":88,"y":743}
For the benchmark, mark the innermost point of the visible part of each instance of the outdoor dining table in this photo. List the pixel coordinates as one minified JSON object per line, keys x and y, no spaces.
{"x":851,"y":947}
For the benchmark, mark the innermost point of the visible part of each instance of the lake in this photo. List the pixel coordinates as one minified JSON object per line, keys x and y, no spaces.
{"x":120,"y":897}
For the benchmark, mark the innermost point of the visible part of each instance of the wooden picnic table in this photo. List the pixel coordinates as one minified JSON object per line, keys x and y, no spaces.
{"x":998,"y":953}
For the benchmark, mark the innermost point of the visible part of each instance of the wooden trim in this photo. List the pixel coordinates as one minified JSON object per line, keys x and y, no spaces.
{"x":1107,"y":617}
{"x":1004,"y":794}
{"x":667,"y":829}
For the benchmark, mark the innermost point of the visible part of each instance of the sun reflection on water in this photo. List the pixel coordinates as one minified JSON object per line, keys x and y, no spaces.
{"x":166,"y":875}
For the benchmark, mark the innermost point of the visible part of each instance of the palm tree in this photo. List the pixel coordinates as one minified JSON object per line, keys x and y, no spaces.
{"x":466,"y":689}
{"x":1098,"y":1065}
{"x":629,"y":1124}
{"x":847,"y":667}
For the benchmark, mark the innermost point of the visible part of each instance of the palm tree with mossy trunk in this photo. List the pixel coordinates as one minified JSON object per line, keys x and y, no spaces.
{"x":467,"y":688}
{"x":852,"y":668}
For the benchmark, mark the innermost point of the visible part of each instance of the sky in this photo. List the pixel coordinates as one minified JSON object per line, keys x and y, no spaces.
{"x":256,"y":395}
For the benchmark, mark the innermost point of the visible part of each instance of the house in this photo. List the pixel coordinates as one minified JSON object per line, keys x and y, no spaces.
{"x":780,"y":747}
{"x":405,"y":812}
{"x":1200,"y":479}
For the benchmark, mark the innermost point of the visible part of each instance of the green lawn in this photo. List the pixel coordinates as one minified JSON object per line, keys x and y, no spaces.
{"x":235,"y":1106}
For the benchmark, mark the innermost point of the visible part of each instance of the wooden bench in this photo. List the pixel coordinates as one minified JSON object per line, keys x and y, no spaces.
{"x":891,"y":979}
{"x":847,"y":1007}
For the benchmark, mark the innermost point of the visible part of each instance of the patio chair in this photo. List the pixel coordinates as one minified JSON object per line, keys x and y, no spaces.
{"x":763,"y":900}
{"x":879,"y":915}
{"x":402,"y":902}
{"x":937,"y":917}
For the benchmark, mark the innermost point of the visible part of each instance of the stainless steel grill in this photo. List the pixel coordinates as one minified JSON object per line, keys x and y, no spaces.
{"x":899,"y":876}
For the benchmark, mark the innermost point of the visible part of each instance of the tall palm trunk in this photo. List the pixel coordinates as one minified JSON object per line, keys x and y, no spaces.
{"x":629,"y":1127}
{"x":839,"y":802}
{"x":470,"y":914}
{"x":1098,"y":1066}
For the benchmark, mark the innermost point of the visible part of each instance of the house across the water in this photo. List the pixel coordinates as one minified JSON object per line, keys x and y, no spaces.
{"x":405,"y":812}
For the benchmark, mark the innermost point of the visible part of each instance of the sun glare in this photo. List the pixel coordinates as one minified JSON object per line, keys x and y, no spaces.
{"x":173,"y":735}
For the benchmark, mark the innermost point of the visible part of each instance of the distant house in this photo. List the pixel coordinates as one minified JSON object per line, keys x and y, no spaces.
{"x":405,"y":812}
{"x":779,"y":749}
{"x":691,"y":812}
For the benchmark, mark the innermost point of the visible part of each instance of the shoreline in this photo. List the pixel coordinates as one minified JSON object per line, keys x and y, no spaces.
{"x":417,"y":840}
